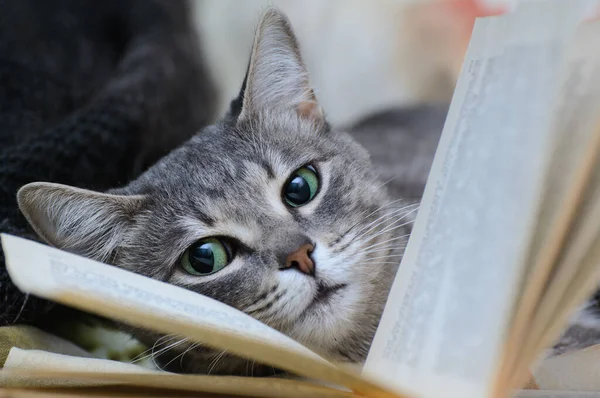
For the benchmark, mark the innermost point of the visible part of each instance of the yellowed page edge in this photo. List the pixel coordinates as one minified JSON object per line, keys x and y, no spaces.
{"x":104,"y":392}
{"x":526,"y":328}
{"x":25,"y":369}
{"x":562,"y":166}
{"x":579,"y":290}
{"x":26,"y":359}
{"x":242,"y":386}
{"x":529,"y":326}
{"x":575,"y":280}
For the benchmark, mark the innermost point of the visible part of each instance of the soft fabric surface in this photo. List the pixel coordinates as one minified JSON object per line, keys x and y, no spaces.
{"x":91,"y":93}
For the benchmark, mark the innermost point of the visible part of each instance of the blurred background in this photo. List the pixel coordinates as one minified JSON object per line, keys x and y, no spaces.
{"x":362,"y":56}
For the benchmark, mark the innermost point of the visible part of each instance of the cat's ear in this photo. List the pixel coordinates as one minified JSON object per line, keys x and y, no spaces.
{"x":276,"y":79}
{"x":84,"y":222}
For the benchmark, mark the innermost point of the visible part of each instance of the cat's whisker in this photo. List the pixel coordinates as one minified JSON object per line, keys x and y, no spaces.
{"x":168,"y":338}
{"x":387,"y":257}
{"x":390,"y":229}
{"x":379,"y":209}
{"x":384,"y":218}
{"x":386,"y":182}
{"x":381,"y":243}
{"x":386,"y":241}
{"x":363,"y":232}
{"x":381,"y":219}
{"x":162,"y":350}
{"x":25,"y":300}
{"x":384,"y":249}
{"x":391,"y":246}
{"x":166,"y":349}
{"x":192,"y":347}
{"x":144,"y":355}
{"x":401,"y":217}
{"x":388,"y":208}
{"x":180,"y":356}
{"x":343,"y":235}
{"x":215,"y":361}
{"x":392,"y":225}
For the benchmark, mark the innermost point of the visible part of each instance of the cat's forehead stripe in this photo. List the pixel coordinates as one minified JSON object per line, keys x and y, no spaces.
{"x":191,"y":227}
{"x":246,"y":233}
{"x":265,"y":165}
{"x":203,"y":217}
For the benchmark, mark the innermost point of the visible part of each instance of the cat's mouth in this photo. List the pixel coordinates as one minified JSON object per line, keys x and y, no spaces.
{"x":324,"y":294}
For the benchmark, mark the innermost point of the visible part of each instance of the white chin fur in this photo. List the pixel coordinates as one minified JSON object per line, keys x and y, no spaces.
{"x":325,"y":326}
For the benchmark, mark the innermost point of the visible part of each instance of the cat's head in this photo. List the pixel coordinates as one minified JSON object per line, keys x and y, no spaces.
{"x":270,"y":211}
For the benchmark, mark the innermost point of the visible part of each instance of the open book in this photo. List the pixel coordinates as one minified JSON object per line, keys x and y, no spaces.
{"x":505,"y":248}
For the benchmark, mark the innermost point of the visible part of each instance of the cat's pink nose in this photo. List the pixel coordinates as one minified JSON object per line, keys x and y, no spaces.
{"x":301,"y":259}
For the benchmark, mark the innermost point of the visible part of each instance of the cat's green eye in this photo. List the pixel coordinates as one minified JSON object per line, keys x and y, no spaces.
{"x":301,"y":187}
{"x":206,"y":257}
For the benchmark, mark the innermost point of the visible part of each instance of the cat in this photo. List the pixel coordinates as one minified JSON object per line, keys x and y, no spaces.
{"x":270,"y":210}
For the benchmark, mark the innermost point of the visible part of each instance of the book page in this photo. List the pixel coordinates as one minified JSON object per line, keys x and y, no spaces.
{"x":118,"y":294}
{"x":105,"y":392}
{"x":566,"y":271}
{"x":29,"y":361}
{"x":39,"y":369}
{"x":452,"y":301}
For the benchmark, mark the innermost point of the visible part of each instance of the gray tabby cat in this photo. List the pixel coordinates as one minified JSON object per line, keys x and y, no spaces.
{"x":270,"y":211}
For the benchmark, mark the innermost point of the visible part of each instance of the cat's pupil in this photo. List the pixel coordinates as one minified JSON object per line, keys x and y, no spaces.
{"x":302,"y":187}
{"x":202,"y":258}
{"x":206,"y":256}
{"x":298,"y":191}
